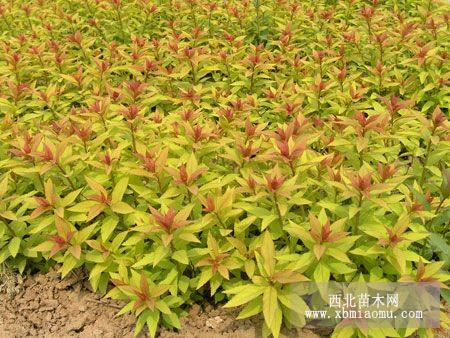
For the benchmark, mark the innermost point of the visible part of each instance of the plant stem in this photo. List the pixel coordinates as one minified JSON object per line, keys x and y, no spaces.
{"x":144,"y":25}
{"x":381,"y":52}
{"x":277,"y":207}
{"x":194,"y":74}
{"x":252,"y":80}
{"x":11,"y":230}
{"x":133,"y":139}
{"x":158,"y":180}
{"x":65,"y":175}
{"x":369,"y":29}
{"x":103,"y":122}
{"x":257,"y":5}
{"x":194,"y":17}
{"x":291,"y":165}
{"x":209,"y":24}
{"x":39,"y":175}
{"x":84,"y":54}
{"x":440,"y":205}
{"x":119,"y":17}
{"x":427,"y":154}
{"x":219,"y":219}
{"x":356,"y":224}
{"x":380,"y":84}
{"x":189,"y":195}
{"x":318,"y":100}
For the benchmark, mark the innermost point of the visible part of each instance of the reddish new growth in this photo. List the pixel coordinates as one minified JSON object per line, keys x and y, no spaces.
{"x":131,"y":112}
{"x":208,"y":204}
{"x":386,"y":171}
{"x":393,"y":238}
{"x":167,"y":222}
{"x":326,"y":234}
{"x":274,"y":182}
{"x":102,"y":197}
{"x":362,"y":183}
{"x":394,"y":104}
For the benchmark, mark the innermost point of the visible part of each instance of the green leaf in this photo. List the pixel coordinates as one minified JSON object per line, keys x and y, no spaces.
{"x":270,"y":307}
{"x":141,"y":320}
{"x":95,"y":186}
{"x":338,"y":254}
{"x":439,"y":245}
{"x":298,"y":200}
{"x":119,"y":190}
{"x":172,"y":319}
{"x":3,"y":187}
{"x":276,"y":323}
{"x":69,"y":263}
{"x":160,"y":253}
{"x":268,"y":253}
{"x":121,"y":208}
{"x":302,"y":263}
{"x":188,"y":237}
{"x":344,"y":332}
{"x":108,"y":226}
{"x":146,"y":260}
{"x":205,"y":276}
{"x":299,"y":232}
{"x":252,"y":308}
{"x":82,"y":206}
{"x":70,"y":198}
{"x":152,"y":322}
{"x":4,"y":254}
{"x":126,"y":308}
{"x":181,"y":256}
{"x":321,"y":273}
{"x":321,"y":276}
{"x":319,"y":250}
{"x":254,"y":210}
{"x":432,"y":269}
{"x":44,"y":223}
{"x":86,"y":232}
{"x":249,"y":267}
{"x":245,"y":295}
{"x":14,"y":246}
{"x":293,"y":302}
{"x":162,"y":306}
{"x":43,"y":247}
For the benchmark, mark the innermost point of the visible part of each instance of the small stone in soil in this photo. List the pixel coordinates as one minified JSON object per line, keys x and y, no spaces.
{"x":77,"y":324}
{"x":212,"y":323}
{"x":195,"y":310}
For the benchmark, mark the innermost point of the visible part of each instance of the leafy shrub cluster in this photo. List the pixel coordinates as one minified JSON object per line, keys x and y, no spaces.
{"x":192,"y":150}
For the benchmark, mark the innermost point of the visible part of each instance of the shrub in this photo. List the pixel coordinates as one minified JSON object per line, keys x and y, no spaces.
{"x":191,"y":151}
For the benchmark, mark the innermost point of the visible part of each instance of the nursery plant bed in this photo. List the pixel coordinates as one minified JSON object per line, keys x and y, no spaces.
{"x":209,"y":168}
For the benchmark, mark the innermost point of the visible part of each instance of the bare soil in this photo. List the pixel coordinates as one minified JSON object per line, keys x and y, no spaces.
{"x":43,"y":305}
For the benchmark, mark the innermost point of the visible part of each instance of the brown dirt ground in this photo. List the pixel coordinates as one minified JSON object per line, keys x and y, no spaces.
{"x":43,"y":305}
